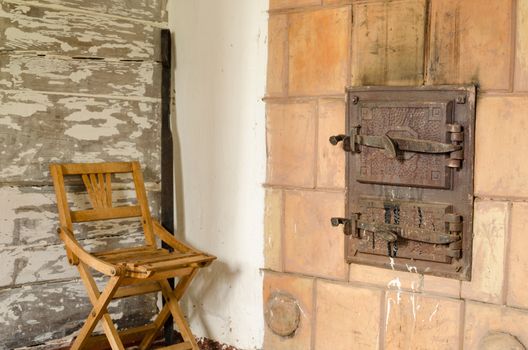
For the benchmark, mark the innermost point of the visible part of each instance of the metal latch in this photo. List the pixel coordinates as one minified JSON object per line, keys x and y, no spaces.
{"x":391,"y":233}
{"x":349,"y":225}
{"x":395,"y":146}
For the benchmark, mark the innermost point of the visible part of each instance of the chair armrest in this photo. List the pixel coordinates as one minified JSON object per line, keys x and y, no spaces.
{"x":97,"y":264}
{"x":168,"y":238}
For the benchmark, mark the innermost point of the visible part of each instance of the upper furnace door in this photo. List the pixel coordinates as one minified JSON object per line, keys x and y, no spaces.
{"x":410,"y":178}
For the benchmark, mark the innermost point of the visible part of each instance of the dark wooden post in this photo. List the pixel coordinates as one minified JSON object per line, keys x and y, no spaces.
{"x":167,"y":175}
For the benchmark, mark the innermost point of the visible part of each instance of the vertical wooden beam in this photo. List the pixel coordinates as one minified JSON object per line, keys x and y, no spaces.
{"x":167,"y":181}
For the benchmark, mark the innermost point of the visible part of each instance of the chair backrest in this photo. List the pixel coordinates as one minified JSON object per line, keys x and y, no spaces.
{"x":97,"y":180}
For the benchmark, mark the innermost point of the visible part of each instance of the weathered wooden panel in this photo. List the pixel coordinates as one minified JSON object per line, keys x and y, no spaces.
{"x":36,"y":313}
{"x":147,"y":10}
{"x":29,"y":28}
{"x":36,"y":129}
{"x":41,"y":122}
{"x":86,"y":76}
{"x":28,"y":216}
{"x":44,"y":263}
{"x":388,"y":42}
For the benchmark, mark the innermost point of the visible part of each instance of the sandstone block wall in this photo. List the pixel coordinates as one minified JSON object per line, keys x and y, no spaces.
{"x":316,"y":48}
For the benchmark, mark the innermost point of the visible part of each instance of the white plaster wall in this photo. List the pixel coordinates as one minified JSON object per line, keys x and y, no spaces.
{"x":221,"y":56}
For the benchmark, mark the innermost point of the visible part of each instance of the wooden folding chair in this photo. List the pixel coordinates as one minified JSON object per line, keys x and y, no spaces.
{"x":131,"y":271}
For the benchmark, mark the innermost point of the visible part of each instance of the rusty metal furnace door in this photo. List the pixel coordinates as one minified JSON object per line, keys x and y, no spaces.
{"x":409,"y":175}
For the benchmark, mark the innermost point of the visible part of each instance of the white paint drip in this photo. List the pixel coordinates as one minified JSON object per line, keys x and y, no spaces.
{"x":394,"y":283}
{"x":411,"y":269}
{"x":434,"y":312}
{"x":303,"y":313}
{"x":387,"y":313}
{"x":391,"y":263}
{"x":413,"y":303}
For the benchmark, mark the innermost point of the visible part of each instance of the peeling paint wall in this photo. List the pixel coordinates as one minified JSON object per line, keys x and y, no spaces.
{"x":79,"y":81}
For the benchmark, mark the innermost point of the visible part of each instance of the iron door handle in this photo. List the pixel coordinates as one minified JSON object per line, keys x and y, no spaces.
{"x":393,"y":146}
{"x":391,"y":233}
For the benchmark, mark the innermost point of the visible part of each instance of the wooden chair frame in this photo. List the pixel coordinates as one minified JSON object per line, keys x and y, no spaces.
{"x":131,"y":271}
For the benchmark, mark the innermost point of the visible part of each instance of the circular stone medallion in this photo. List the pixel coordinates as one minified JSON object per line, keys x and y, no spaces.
{"x":501,"y":341}
{"x":282,"y":314}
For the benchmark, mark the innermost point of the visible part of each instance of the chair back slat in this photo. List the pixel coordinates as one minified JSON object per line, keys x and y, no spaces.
{"x":129,"y":211}
{"x":99,"y":188}
{"x":96,"y":168}
{"x":96,"y":177}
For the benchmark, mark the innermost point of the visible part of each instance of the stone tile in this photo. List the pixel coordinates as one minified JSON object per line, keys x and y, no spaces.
{"x":330,"y":159}
{"x":406,"y":281}
{"x":347,"y":317}
{"x":481,"y":318}
{"x":388,"y":42}
{"x":337,"y":2}
{"x":386,"y":278}
{"x":291,"y":143}
{"x":518,"y":258}
{"x":300,"y":289}
{"x":467,"y":39}
{"x":489,"y":235}
{"x":277,"y":55}
{"x":521,"y":55}
{"x":442,"y":286}
{"x":421,"y":322}
{"x":318,"y":51}
{"x":501,"y":171}
{"x":283,"y":4}
{"x":273,"y":230}
{"x":311,"y":245}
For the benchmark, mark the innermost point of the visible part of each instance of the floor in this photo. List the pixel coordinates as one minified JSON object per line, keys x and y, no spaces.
{"x":204,"y":343}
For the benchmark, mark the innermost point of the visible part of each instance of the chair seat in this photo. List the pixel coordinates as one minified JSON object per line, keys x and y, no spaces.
{"x":143,"y":262}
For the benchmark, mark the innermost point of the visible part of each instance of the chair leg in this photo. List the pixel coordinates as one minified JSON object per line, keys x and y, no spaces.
{"x":94,"y":294}
{"x":158,"y":322}
{"x":177,"y":314}
{"x":99,"y":311}
{"x":180,"y":289}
